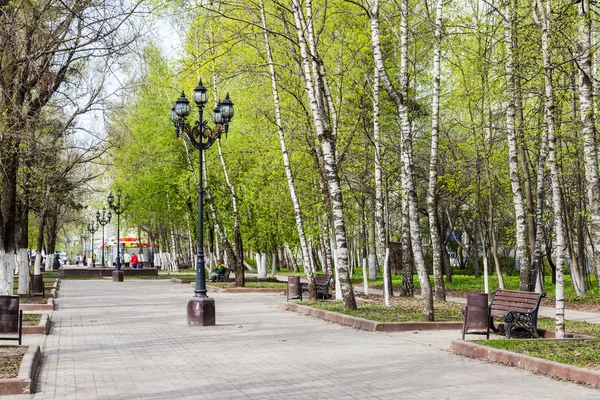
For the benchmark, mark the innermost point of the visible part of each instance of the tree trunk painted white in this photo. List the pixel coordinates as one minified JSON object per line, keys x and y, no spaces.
{"x":372,"y":250}
{"x":23,"y":264}
{"x":586,"y":114}
{"x":436,"y":245}
{"x":386,"y":289}
{"x":544,"y":14}
{"x":261,"y":264}
{"x":327,"y":136}
{"x":513,"y":161}
{"x":7,"y":268}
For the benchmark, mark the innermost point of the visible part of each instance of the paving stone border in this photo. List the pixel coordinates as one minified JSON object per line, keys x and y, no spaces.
{"x":217,"y":289}
{"x":537,"y":365}
{"x":22,"y":384}
{"x":369,"y":325}
{"x":42,"y":328}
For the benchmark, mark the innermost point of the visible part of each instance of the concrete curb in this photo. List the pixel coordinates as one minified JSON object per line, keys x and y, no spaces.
{"x":23,"y":382}
{"x":183,"y":280}
{"x":368,"y":325}
{"x":533,"y":364}
{"x":245,"y":290}
{"x":40,"y":329}
{"x":38,"y":307}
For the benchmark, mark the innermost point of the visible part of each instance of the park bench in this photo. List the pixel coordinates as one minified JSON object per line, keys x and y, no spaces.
{"x":519,"y":310}
{"x":223,"y":277}
{"x":322,"y":282}
{"x":11,"y":318}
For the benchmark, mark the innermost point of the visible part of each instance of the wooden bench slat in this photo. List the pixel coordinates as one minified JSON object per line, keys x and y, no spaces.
{"x":519,"y":295}
{"x":514,"y":304}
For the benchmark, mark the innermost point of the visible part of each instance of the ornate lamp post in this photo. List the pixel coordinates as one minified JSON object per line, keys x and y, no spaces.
{"x":118,"y":207}
{"x":201,"y":308}
{"x":92,"y":229}
{"x":103,"y":221}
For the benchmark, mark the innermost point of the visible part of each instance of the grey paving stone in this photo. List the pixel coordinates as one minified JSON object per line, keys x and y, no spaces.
{"x":130,"y":340}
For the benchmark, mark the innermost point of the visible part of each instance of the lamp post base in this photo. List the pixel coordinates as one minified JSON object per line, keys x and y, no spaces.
{"x":201,"y":311}
{"x":117,"y":276}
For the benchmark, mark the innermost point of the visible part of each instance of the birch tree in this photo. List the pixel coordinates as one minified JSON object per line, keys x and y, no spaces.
{"x":544,"y":13}
{"x":400,"y":99}
{"x":319,"y":100}
{"x":438,"y":273}
{"x":286,"y":161}
{"x":586,"y":114}
{"x":513,"y":161}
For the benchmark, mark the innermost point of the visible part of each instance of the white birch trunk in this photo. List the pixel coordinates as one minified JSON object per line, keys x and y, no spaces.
{"x":407,"y":176}
{"x":545,"y":25}
{"x":191,"y":243}
{"x":286,"y":159}
{"x":326,"y":136}
{"x":513,"y":161}
{"x":438,"y":273}
{"x":379,"y":198}
{"x":590,"y":154}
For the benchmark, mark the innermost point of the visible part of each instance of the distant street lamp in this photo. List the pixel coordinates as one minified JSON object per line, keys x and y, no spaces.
{"x":103,"y":221}
{"x":118,"y":207}
{"x":84,"y":237}
{"x":92,"y":229}
{"x":201,"y":308}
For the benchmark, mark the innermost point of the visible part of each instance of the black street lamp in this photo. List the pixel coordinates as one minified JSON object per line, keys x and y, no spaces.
{"x":201,"y":308}
{"x":118,"y":207}
{"x":103,"y":221}
{"x":92,"y":229}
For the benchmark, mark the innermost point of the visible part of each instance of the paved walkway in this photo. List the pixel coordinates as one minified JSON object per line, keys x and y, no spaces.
{"x":130,"y":341}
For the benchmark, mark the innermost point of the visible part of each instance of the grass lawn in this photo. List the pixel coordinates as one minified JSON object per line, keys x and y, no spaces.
{"x":401,"y":310}
{"x":585,"y":354}
{"x":577,"y":327}
{"x":31,"y":319}
{"x":462,"y":284}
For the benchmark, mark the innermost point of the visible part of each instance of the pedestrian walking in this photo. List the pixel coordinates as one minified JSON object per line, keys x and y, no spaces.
{"x":134,"y":261}
{"x":127,"y":259}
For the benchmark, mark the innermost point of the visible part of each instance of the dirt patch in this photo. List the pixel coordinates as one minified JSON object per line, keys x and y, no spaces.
{"x":10,"y":361}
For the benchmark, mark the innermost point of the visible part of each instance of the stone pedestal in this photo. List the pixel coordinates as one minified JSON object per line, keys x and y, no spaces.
{"x":201,"y":311}
{"x":117,"y":276}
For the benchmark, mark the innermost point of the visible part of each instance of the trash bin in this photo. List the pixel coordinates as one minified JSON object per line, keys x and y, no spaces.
{"x":476,"y":314}
{"x":37,"y":284}
{"x":294,"y":288}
